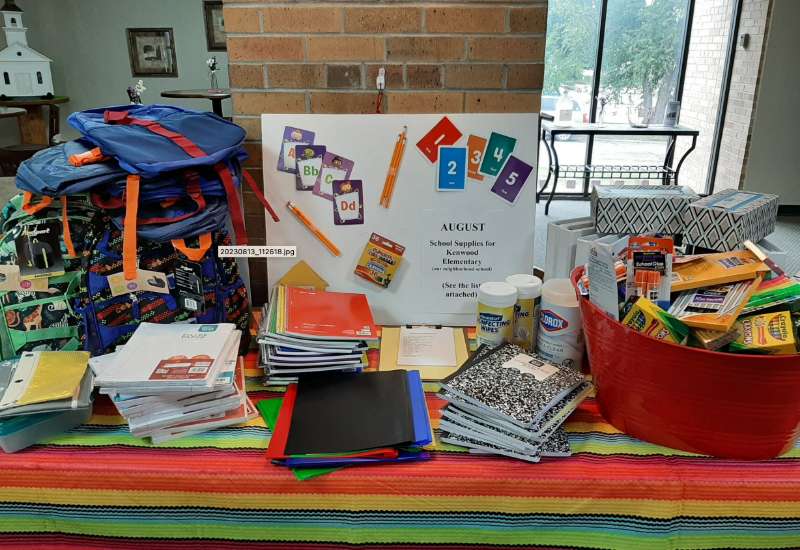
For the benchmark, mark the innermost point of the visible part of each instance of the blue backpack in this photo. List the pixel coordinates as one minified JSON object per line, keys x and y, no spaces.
{"x":153,"y":140}
{"x":219,"y":294}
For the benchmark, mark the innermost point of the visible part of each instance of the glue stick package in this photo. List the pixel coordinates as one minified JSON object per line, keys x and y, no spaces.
{"x":650,"y":269}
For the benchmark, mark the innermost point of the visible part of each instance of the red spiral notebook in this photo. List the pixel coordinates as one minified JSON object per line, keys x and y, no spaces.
{"x":322,"y":315}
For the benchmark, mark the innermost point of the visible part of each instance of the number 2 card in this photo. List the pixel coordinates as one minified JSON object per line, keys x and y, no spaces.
{"x":511,"y":180}
{"x":452,"y":168}
{"x":497,"y":151}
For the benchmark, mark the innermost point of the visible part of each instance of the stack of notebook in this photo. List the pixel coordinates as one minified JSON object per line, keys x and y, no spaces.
{"x":311,"y":331}
{"x":338,"y":420}
{"x":507,"y":402}
{"x":171,"y":381}
{"x":43,"y":394}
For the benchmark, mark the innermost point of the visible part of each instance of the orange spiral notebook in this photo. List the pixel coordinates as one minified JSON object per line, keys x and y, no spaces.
{"x":323,"y":315}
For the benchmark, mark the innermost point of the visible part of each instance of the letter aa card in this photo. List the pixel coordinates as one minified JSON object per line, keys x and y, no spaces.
{"x":511,"y":180}
{"x":444,"y":133}
{"x":291,"y":138}
{"x":452,"y":168}
{"x":348,"y":202}
{"x":309,"y":163}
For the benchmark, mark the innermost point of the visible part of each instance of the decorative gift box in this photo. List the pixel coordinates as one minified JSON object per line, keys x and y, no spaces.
{"x":637,"y":209}
{"x":724,"y":220}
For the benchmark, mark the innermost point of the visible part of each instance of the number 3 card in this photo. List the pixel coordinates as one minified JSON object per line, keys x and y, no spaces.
{"x":511,"y":180}
{"x":452,"y":168}
{"x":348,"y":202}
{"x":496,"y":153}
{"x":475,"y":147}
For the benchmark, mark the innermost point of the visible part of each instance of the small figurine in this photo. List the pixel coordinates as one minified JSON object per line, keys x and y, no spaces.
{"x":212,"y":71}
{"x":135,"y":93}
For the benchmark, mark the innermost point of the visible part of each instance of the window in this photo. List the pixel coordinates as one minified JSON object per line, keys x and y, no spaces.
{"x":39,"y":77}
{"x":13,"y":21}
{"x":6,"y":79}
{"x":612,"y":59}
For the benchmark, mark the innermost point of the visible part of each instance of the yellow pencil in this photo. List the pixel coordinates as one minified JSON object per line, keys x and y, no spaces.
{"x":313,"y":228}
{"x":394,"y":168}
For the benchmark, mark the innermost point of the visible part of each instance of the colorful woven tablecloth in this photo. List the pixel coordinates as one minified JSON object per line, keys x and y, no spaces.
{"x":99,"y":487}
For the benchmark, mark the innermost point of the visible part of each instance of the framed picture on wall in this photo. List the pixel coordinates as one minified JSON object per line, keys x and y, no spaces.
{"x":215,"y":25}
{"x":152,"y":52}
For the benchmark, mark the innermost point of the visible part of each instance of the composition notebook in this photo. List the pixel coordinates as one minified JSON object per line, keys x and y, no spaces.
{"x":343,"y":413}
{"x":513,"y":384}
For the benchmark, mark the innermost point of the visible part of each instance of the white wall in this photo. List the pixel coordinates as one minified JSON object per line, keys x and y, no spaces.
{"x":87,"y":42}
{"x":774,"y":164}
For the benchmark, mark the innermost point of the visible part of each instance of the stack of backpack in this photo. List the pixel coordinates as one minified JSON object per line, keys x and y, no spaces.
{"x":140,"y":205}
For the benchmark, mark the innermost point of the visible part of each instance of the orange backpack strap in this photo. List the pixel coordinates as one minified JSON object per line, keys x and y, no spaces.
{"x":31,"y":209}
{"x":88,"y":157}
{"x":66,"y":231}
{"x":194,"y":254}
{"x":129,"y":230}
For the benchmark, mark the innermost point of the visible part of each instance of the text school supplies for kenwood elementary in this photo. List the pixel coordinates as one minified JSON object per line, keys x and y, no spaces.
{"x":419,"y":188}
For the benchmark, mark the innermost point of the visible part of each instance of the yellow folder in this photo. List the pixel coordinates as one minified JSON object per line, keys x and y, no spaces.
{"x":390,"y":346}
{"x":58,"y":375}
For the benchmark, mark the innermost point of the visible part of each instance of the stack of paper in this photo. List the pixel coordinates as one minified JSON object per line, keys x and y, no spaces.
{"x":310,"y":331}
{"x":42,"y":394}
{"x":170,"y":381}
{"x":504,"y":401}
{"x":350,"y":419}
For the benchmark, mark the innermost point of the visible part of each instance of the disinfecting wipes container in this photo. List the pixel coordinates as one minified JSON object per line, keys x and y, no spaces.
{"x":526,"y":310}
{"x":495,"y":313}
{"x":560,"y":338}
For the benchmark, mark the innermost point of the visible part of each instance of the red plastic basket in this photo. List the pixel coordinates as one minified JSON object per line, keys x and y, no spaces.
{"x":720,"y":404}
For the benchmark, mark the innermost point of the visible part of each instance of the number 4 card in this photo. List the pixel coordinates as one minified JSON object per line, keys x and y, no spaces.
{"x":511,"y":180}
{"x":452,"y":168}
{"x":497,"y":151}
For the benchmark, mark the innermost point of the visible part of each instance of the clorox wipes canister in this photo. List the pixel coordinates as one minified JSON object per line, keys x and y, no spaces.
{"x":560,"y":338}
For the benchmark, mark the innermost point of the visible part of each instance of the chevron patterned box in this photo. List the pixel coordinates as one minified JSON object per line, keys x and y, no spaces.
{"x":636,"y":209}
{"x":724,"y":220}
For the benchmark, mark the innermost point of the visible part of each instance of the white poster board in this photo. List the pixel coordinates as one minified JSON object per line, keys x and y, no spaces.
{"x":454,"y":240}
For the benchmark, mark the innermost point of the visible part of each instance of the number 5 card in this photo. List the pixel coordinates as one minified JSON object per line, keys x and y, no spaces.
{"x":511,"y":180}
{"x":452,"y":168}
{"x":497,"y":151}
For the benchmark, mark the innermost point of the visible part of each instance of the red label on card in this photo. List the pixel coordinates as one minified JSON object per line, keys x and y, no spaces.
{"x":444,"y":133}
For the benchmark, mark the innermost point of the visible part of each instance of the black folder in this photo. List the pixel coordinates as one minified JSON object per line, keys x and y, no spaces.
{"x":342,"y":414}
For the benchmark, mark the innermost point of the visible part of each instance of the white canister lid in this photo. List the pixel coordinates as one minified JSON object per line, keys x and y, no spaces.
{"x":528,"y":286}
{"x":496,"y":294}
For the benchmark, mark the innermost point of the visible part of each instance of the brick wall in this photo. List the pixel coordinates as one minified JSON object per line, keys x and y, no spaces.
{"x":322,"y":57}
{"x":704,"y":80}
{"x":705,"y":68}
{"x":747,"y":67}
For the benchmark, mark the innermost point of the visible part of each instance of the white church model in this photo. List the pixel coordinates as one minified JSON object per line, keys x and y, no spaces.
{"x":24,"y":72}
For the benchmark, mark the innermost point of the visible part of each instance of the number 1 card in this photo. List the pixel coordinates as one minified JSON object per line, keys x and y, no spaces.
{"x":497,"y":151}
{"x":511,"y":180}
{"x":452,"y":168}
